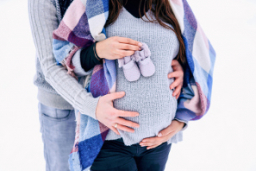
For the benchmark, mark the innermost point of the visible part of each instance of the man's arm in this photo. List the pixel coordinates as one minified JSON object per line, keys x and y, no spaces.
{"x":43,"y":21}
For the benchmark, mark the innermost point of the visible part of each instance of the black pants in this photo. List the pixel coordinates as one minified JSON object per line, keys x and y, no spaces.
{"x":115,"y":156}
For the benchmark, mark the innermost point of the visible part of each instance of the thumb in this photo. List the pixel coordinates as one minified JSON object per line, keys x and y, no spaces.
{"x":165,"y":131}
{"x":116,"y":95}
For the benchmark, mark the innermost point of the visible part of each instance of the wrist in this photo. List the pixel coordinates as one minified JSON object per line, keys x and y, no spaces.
{"x":181,"y":123}
{"x":185,"y":125}
{"x":98,"y":50}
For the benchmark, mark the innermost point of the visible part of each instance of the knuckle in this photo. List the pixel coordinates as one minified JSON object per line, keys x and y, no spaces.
{"x":111,"y":123}
{"x":127,"y":46}
{"x":117,"y":55}
{"x":112,"y":46}
{"x":112,"y":114}
{"x":131,"y":52}
{"x":128,"y":53}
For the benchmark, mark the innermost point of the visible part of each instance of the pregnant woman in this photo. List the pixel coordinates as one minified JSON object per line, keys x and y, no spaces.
{"x":163,"y":30}
{"x":150,"y":96}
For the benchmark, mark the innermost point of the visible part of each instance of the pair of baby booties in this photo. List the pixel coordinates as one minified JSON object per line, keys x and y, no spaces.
{"x":144,"y":66}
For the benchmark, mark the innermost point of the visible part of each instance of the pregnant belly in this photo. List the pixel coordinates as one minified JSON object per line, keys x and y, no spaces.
{"x":152,"y":105}
{"x":156,"y":112}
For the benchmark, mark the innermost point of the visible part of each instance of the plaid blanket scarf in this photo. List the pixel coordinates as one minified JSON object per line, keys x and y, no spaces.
{"x":83,"y":24}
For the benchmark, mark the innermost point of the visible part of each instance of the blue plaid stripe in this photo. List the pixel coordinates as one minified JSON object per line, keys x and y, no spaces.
{"x":96,"y":7}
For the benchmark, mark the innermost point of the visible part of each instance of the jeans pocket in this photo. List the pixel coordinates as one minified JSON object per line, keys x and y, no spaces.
{"x":54,"y":113}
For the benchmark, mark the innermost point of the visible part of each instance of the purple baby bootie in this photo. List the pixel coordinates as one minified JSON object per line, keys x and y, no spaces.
{"x":142,"y":57}
{"x":131,"y":70}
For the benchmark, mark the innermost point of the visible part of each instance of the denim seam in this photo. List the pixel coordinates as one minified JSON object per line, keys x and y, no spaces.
{"x":57,"y":119}
{"x":43,"y":137}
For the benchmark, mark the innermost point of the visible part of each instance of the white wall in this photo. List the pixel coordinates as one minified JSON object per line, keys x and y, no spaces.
{"x":223,"y":140}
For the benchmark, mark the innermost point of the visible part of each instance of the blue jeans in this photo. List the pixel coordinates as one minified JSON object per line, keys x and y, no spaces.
{"x":58,"y":135}
{"x":115,"y":156}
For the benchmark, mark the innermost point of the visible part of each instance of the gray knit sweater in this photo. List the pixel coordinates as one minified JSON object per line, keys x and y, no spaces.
{"x":150,"y":96}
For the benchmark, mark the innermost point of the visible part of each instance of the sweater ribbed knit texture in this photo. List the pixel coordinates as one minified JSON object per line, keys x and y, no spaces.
{"x":150,"y":96}
{"x":55,"y":87}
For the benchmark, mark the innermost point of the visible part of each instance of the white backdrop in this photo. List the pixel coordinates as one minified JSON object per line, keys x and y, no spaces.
{"x":223,"y":140}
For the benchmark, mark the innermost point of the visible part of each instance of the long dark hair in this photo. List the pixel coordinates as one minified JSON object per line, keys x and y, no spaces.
{"x":162,"y":12}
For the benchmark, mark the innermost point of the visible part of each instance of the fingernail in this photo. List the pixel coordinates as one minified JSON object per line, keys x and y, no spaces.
{"x":142,"y":145}
{"x":140,"y":44}
{"x":144,"y":141}
{"x":148,"y":148}
{"x":159,"y":135}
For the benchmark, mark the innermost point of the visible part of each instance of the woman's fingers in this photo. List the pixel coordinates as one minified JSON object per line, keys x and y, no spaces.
{"x":128,"y":41}
{"x":165,"y":139}
{"x":153,"y":146}
{"x":166,"y":131}
{"x":150,"y":141}
{"x":123,"y":53}
{"x":155,"y":141}
{"x":123,"y":46}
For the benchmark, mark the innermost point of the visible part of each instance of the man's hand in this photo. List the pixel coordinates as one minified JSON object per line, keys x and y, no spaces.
{"x":109,"y":116}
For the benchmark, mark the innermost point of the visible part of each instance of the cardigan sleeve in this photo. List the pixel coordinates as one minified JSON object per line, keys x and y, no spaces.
{"x":43,"y":21}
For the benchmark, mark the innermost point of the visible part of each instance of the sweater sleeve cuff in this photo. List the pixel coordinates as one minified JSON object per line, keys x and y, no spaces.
{"x":185,"y":123}
{"x":90,"y":105}
{"x":79,"y":71}
{"x":93,"y":107}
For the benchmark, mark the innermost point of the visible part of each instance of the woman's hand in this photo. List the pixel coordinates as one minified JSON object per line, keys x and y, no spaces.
{"x":163,"y":135}
{"x":178,"y":75}
{"x":108,"y":115}
{"x":117,"y":47}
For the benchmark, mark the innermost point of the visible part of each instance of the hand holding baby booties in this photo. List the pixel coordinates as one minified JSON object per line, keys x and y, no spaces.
{"x":145,"y":65}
